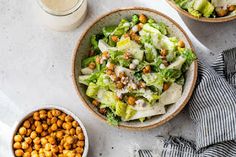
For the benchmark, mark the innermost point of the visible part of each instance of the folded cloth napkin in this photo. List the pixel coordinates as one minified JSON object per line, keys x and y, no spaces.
{"x":213,"y":111}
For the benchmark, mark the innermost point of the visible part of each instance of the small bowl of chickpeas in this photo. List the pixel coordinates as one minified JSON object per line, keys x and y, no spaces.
{"x":50,"y":132}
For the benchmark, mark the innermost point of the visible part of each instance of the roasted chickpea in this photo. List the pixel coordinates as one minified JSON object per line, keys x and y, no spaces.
{"x":29,"y":149}
{"x":59,"y":123}
{"x":28,"y":132}
{"x":105,"y":54}
{"x":39,"y":129}
{"x":54,"y":127}
{"x":43,"y":116}
{"x":131,"y":100}
{"x":181,"y":44}
{"x":69,"y":140}
{"x":37,"y":146}
{"x":163,"y":52}
{"x":54,"y":149}
{"x":37,"y":140}
{"x":147,"y":69}
{"x":45,"y":126}
{"x":79,"y":150}
{"x":119,"y":85}
{"x":25,"y":145}
{"x":221,"y":12}
{"x":109,"y":72}
{"x":51,"y":140}
{"x":33,"y":135}
{"x":53,"y":120}
{"x":166,"y":86}
{"x":78,"y":130}
{"x":68,"y":126}
{"x":22,"y":131}
{"x":26,"y":124}
{"x":19,"y":152}
{"x":48,"y":146}
{"x":44,"y":133}
{"x":80,"y":143}
{"x":17,"y":138}
{"x":95,"y":103}
{"x":92,"y":65}
{"x":36,"y":116}
{"x":56,"y":112}
{"x":98,"y":58}
{"x":28,"y":140}
{"x":67,"y":146}
{"x":26,"y":154}
{"x":142,"y":19}
{"x":48,"y":154}
{"x":140,"y":26}
{"x":142,"y":84}
{"x":114,"y":38}
{"x":111,"y":66}
{"x":81,"y":136}
{"x":43,"y":141}
{"x":59,"y":134}
{"x":103,"y":111}
{"x":72,"y":131}
{"x":17,"y":145}
{"x":231,"y":8}
{"x":68,"y":118}
{"x":49,"y":114}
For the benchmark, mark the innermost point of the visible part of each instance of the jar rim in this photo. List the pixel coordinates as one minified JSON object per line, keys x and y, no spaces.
{"x":61,"y":13}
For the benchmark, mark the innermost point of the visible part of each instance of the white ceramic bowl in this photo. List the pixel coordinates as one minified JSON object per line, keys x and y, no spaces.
{"x":48,"y":107}
{"x":113,"y":18}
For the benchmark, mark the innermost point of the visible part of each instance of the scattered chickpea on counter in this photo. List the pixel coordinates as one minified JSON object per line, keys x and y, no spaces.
{"x":49,"y":133}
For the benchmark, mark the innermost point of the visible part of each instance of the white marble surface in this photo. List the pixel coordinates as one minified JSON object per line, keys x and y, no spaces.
{"x":35,"y":69}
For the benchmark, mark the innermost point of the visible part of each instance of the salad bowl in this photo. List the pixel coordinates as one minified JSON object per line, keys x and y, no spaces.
{"x":229,"y":17}
{"x":113,"y":18}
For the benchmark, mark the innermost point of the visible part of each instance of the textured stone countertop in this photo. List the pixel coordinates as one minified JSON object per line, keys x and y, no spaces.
{"x":35,"y":69}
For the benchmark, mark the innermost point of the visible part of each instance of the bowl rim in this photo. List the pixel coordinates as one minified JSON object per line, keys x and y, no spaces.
{"x":202,"y":19}
{"x":120,"y":125}
{"x":30,"y":112}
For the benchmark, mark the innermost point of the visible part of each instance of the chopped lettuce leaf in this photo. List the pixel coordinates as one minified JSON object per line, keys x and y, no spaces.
{"x":108,"y":30}
{"x":107,"y":97}
{"x":177,"y":64}
{"x":154,"y":79}
{"x":130,"y":112}
{"x":121,"y":109}
{"x":150,"y":52}
{"x":86,"y":61}
{"x":86,"y":79}
{"x":112,"y":119}
{"x":92,"y":90}
{"x":86,"y":71}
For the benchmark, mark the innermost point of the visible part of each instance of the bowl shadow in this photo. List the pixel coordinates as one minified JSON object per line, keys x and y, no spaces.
{"x":215,"y":36}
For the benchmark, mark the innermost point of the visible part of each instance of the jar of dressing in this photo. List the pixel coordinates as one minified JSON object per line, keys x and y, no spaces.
{"x":62,"y":15}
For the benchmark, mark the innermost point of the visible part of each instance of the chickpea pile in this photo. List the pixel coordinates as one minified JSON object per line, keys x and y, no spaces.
{"x":49,"y":133}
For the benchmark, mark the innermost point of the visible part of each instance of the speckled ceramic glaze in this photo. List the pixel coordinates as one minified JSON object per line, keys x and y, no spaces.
{"x":203,"y":19}
{"x":113,"y":18}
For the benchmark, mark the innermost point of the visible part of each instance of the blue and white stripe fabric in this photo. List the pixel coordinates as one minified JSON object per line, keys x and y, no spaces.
{"x":213,"y":111}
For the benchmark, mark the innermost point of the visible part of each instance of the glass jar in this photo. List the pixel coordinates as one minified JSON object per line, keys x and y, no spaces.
{"x":62,"y":15}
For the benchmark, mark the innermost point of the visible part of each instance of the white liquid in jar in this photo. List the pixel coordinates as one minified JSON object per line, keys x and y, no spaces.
{"x":60,"y":5}
{"x":63,"y":15}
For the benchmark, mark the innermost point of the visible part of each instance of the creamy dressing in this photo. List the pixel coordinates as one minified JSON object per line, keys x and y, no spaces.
{"x":223,"y":3}
{"x":62,"y":15}
{"x":60,"y":5}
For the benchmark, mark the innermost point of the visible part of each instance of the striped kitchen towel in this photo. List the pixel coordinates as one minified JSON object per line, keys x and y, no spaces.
{"x":213,"y":111}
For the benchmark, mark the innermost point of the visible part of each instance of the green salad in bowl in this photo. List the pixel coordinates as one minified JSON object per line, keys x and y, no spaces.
{"x":208,"y":8}
{"x":134,"y":69}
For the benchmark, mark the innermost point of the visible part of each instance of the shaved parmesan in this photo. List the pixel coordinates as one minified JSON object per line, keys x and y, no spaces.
{"x":172,"y":95}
